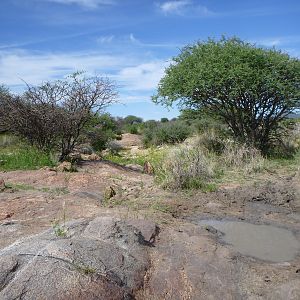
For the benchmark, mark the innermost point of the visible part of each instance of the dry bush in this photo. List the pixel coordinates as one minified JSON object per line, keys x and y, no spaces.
{"x":240,"y":156}
{"x":186,"y":166}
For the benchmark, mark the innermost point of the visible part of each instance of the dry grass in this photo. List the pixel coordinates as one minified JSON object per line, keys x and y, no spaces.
{"x":186,"y":166}
{"x":242,"y":157}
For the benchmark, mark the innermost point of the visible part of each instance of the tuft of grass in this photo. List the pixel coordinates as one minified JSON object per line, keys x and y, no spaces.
{"x":87,"y":270}
{"x":61,"y":230}
{"x":19,"y":186}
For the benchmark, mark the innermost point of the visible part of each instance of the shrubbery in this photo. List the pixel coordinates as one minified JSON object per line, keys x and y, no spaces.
{"x":200,"y":160}
{"x":166,"y":133}
{"x":100,"y":130}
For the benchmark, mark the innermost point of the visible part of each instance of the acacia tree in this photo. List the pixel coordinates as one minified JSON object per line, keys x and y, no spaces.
{"x":252,"y":89}
{"x":53,"y":114}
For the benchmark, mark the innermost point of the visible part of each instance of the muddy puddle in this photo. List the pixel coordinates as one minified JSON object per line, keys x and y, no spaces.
{"x":264,"y":242}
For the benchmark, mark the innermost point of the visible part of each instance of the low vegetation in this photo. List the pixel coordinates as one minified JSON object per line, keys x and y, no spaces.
{"x":19,"y":155}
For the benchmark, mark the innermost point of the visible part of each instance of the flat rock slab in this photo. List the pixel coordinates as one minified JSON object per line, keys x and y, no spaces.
{"x":190,"y":263}
{"x":105,"y":258}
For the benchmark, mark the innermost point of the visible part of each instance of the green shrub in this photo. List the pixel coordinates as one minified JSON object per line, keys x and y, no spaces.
{"x":166,"y":133}
{"x":132,"y":128}
{"x":286,"y":141}
{"x":100,"y":131}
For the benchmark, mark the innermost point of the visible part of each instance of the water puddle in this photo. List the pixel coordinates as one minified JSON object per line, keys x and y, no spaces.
{"x":264,"y":242}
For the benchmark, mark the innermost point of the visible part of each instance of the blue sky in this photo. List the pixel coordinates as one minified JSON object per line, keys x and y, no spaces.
{"x":131,"y":41}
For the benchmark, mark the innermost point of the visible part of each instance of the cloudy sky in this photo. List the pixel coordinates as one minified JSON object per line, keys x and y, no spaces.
{"x":131,"y":41}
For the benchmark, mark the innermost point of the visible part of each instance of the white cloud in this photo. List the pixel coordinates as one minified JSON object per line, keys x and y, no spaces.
{"x":143,"y":76}
{"x":136,"y":77}
{"x":91,"y":4}
{"x":184,"y":7}
{"x":269,"y":42}
{"x":106,"y":39}
{"x":174,"y":6}
{"x":36,"y":67}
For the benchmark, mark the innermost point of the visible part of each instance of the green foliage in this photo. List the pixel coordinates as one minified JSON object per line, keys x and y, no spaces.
{"x":59,"y":230}
{"x":130,"y":120}
{"x":152,"y":155}
{"x":203,"y":121}
{"x":132,"y":128}
{"x":16,"y":155}
{"x":100,"y":130}
{"x":250,"y":88}
{"x":166,"y":133}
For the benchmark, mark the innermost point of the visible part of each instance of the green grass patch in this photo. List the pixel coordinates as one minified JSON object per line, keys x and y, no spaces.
{"x":18,"y":155}
{"x":126,"y":160}
{"x":153,"y":155}
{"x":291,"y":164}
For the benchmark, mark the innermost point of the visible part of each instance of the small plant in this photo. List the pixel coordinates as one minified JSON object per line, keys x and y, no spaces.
{"x":61,"y":230}
{"x":162,"y":207}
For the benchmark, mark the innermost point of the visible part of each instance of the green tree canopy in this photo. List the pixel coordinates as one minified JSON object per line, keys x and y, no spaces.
{"x":250,"y":88}
{"x":132,"y":120}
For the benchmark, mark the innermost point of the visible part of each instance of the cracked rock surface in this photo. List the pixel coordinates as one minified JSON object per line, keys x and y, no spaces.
{"x":105,"y":258}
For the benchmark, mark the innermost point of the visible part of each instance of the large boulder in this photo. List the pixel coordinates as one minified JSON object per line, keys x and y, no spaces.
{"x":105,"y":258}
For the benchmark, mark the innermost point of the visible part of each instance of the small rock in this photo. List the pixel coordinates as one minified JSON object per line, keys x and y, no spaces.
{"x":86,"y":149}
{"x":65,"y":167}
{"x":148,"y":168}
{"x":90,"y":195}
{"x":94,"y":156}
{"x":109,"y":193}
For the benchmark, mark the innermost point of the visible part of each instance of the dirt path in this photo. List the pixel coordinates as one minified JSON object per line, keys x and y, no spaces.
{"x":188,"y":261}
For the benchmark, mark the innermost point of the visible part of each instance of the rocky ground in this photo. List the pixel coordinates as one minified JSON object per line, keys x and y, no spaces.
{"x":95,"y":244}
